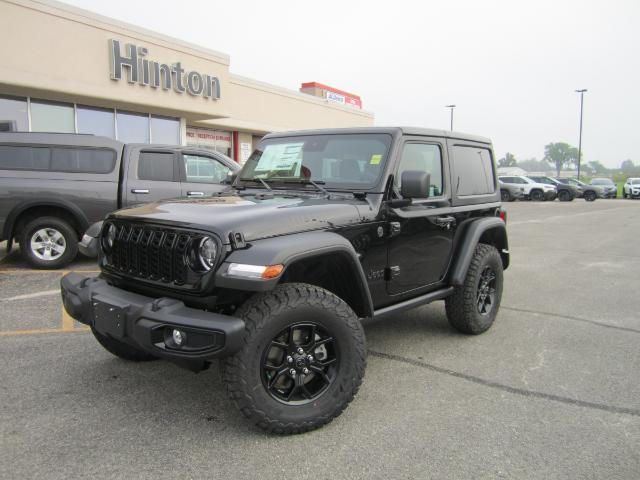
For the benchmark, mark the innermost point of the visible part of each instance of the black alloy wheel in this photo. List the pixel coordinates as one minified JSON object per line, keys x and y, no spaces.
{"x":505,"y":195}
{"x":486,"y":291}
{"x":536,"y":195}
{"x":590,"y":196}
{"x":300,"y":363}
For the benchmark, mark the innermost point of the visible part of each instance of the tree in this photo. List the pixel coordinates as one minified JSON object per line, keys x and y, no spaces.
{"x":534,"y":165}
{"x":627,"y":166}
{"x":507,"y":161}
{"x":560,"y":154}
{"x":598,"y":168}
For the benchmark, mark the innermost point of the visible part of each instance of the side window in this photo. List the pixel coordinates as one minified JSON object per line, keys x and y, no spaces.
{"x":506,"y":179}
{"x":157,"y":166}
{"x":425,"y":158}
{"x":473,"y":168}
{"x":82,"y":160}
{"x":202,"y":169}
{"x":14,"y":157}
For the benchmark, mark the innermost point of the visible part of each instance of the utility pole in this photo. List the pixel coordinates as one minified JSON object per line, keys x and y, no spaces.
{"x":581,"y":92}
{"x":451,"y":107}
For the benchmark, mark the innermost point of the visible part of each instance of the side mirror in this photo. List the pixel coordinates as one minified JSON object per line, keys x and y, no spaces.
{"x":415,"y":184}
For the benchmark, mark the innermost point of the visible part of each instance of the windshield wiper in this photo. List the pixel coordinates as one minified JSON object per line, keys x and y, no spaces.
{"x":307,"y":181}
{"x":256,"y":180}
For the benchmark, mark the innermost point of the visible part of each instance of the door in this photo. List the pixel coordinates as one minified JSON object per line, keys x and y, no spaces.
{"x":421,"y":235}
{"x":153,"y":176}
{"x":202,"y":174}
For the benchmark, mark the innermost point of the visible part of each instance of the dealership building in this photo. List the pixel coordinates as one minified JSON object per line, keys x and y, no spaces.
{"x":64,"y":69}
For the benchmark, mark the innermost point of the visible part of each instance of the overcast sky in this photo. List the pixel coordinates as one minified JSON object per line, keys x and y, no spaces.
{"x":511,"y":67}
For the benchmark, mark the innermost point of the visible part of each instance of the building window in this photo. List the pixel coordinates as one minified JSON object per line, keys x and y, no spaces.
{"x":13,"y":114}
{"x":213,"y":140}
{"x":133,"y":127}
{"x":52,"y":117}
{"x":165,"y":130}
{"x":97,"y":121}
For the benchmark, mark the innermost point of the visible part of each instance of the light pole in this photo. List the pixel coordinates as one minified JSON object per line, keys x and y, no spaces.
{"x":581,"y":92}
{"x":451,"y":107}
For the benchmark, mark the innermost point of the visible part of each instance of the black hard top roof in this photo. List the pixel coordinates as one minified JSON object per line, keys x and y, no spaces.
{"x":427,"y":132}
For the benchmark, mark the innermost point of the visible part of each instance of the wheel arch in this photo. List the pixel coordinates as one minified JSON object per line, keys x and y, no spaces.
{"x":324,"y":259}
{"x":489,"y":230}
{"x":28,"y":211}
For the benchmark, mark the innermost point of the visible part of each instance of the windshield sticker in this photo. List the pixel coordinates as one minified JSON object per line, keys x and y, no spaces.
{"x":280,"y":157}
{"x":375,"y":159}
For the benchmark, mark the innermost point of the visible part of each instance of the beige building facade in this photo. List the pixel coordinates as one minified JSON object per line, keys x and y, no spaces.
{"x":65,"y":69}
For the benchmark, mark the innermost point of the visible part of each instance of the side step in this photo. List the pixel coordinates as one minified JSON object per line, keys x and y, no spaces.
{"x":412,"y":303}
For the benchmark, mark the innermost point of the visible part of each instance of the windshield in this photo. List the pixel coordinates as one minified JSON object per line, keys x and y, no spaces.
{"x":351,"y":161}
{"x":601,"y":181}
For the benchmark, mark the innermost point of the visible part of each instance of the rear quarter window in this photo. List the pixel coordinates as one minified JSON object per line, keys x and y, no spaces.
{"x":57,"y":159}
{"x":474,"y":174}
{"x":15,"y":157}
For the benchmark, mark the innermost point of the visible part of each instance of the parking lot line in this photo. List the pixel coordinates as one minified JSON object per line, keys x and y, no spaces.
{"x":41,"y":331}
{"x":59,"y":272}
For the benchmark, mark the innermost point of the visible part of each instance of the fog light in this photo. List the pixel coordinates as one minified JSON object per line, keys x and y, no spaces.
{"x":179,"y":337}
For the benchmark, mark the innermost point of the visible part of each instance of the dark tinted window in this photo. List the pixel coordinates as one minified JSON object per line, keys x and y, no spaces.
{"x":82,"y":160}
{"x":24,"y":158}
{"x":473,"y":168}
{"x":156,"y":166}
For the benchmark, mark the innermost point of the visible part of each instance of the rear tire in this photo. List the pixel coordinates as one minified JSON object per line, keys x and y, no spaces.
{"x":590,"y":196}
{"x":474,"y":305}
{"x":565,"y":196}
{"x":536,"y":195}
{"x":326,"y":376}
{"x":122,"y":350}
{"x":48,"y":242}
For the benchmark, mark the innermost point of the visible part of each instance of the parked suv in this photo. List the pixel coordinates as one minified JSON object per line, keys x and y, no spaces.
{"x":631,"y":188}
{"x":589,"y":192}
{"x":510,"y":192}
{"x":321,"y":229}
{"x":566,"y":192}
{"x":609,"y":188}
{"x":532,"y":189}
{"x":53,"y":186}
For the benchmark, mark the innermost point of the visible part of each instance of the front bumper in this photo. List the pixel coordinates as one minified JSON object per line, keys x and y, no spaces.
{"x":147,"y":323}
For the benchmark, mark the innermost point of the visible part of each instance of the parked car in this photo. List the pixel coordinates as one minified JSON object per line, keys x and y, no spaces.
{"x":321,"y":229}
{"x":54,"y":186}
{"x":631,"y":188}
{"x":589,"y":192}
{"x":566,"y":192}
{"x":532,"y":190}
{"x":609,"y":189}
{"x":510,"y":192}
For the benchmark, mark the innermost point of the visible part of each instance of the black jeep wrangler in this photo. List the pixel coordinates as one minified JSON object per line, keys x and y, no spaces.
{"x":321,"y":229}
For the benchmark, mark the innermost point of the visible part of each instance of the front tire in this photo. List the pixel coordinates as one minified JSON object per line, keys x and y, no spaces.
{"x":474,"y":305}
{"x":505,"y":196}
{"x":49,"y":242}
{"x":565,"y":196}
{"x":590,"y":196}
{"x":536,"y":195}
{"x":301,"y":362}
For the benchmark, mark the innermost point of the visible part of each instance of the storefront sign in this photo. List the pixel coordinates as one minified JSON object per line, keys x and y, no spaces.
{"x":335,"y":97}
{"x":245,"y":152}
{"x":159,"y":75}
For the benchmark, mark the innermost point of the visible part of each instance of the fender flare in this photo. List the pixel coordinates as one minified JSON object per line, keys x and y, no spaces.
{"x":18,"y":210}
{"x":287,"y":250}
{"x":470,"y":236}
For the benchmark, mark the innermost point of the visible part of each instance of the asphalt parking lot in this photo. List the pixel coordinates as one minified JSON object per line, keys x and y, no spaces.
{"x":551,"y":391}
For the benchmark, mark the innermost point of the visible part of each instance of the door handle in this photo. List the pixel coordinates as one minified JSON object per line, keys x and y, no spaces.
{"x":445,"y":221}
{"x":139,"y":190}
{"x":195,"y":194}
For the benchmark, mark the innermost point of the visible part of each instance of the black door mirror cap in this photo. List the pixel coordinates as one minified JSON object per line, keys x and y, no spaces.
{"x":415,"y":184}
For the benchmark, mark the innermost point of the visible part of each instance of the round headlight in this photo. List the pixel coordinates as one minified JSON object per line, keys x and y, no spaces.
{"x":208,"y":252}
{"x":111,"y":235}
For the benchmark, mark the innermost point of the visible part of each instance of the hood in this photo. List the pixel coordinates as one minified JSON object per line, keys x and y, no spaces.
{"x":255,"y":216}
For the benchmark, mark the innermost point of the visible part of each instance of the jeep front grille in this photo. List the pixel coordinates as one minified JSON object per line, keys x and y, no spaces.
{"x":152,"y":253}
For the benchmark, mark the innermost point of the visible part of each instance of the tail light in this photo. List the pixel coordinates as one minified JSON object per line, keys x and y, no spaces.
{"x":502,"y":214}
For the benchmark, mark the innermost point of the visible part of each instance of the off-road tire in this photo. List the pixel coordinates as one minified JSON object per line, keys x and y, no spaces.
{"x":590,"y":196}
{"x":70,"y":238}
{"x":505,"y":196}
{"x":461,"y":307}
{"x":122,"y":350}
{"x":265,"y":315}
{"x":536,"y":195}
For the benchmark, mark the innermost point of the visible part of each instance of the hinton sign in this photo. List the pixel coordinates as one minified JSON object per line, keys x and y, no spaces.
{"x":159,"y":75}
